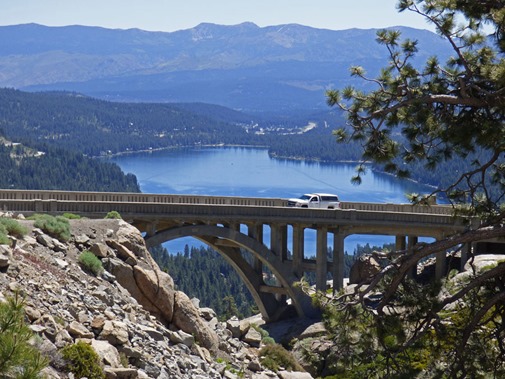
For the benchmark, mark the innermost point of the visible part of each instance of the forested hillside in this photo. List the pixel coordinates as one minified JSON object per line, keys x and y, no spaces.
{"x":96,"y":128}
{"x":51,"y":168}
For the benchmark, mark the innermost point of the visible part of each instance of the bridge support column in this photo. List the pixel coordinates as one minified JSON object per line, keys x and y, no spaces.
{"x":151,"y":229}
{"x":440,"y":265}
{"x":338,"y":261}
{"x":255,"y":231}
{"x":279,"y":240}
{"x":321,"y":258}
{"x":412,"y":241}
{"x":400,"y":243}
{"x":233,"y":226}
{"x":298,"y":246}
{"x":466,"y":249}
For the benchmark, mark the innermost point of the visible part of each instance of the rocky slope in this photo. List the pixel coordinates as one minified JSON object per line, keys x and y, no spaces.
{"x":130,"y":314}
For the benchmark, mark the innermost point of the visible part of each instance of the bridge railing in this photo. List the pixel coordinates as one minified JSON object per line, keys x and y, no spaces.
{"x":128,"y":197}
{"x":125,"y":197}
{"x":218,"y":213}
{"x":401,"y":208}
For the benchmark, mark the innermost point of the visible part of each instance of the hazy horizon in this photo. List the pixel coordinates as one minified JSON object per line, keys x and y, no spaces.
{"x":160,"y":15}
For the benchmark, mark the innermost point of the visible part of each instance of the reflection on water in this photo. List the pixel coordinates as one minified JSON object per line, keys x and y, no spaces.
{"x":250,"y":172}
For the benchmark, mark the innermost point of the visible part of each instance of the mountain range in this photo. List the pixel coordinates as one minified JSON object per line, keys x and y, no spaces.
{"x":281,"y":68}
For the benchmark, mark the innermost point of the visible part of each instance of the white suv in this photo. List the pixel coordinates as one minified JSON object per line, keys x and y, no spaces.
{"x":316,"y":200}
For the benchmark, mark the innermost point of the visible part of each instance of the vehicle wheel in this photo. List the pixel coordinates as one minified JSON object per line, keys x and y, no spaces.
{"x":305,"y":206}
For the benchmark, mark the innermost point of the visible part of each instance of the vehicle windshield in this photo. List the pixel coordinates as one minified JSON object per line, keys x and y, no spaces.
{"x":305,"y":197}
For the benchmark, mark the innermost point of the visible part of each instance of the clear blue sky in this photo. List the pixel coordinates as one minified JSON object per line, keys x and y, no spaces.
{"x":171,"y":15}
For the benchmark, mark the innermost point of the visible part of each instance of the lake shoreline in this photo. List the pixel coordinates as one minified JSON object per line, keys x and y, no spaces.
{"x":272,"y":156}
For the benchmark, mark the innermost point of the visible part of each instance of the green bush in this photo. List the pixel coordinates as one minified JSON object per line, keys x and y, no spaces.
{"x":4,"y":238}
{"x":71,"y":216}
{"x":113,"y":214}
{"x":18,"y":358}
{"x":13,"y":227}
{"x":275,"y":356}
{"x":57,"y":227}
{"x":9,"y":226}
{"x":268,"y":341}
{"x":83,"y":361}
{"x":91,"y":262}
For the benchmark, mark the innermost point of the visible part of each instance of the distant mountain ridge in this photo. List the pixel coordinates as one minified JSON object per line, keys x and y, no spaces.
{"x":246,"y":67}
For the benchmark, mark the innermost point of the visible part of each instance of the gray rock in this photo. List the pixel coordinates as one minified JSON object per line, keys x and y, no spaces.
{"x":78,"y":330}
{"x":81,"y":239}
{"x":229,"y":375}
{"x":196,"y":302}
{"x":101,"y":250}
{"x":254,"y":365}
{"x":61,"y":263}
{"x":52,"y":327}
{"x":364,"y":269}
{"x":187,"y":318}
{"x":315,"y":330}
{"x":130,"y":352}
{"x":50,"y":373}
{"x":37,"y":328}
{"x":59,"y":246}
{"x":121,"y":373}
{"x":233,"y":325}
{"x":32,"y":313}
{"x":294,"y":375}
{"x":4,"y":261}
{"x":115,"y":332}
{"x":106,"y":275}
{"x":480,"y":262}
{"x":107,"y":353}
{"x":207,"y":313}
{"x":263,"y":375}
{"x":105,"y":297}
{"x":182,"y":337}
{"x":6,"y":250}
{"x":153,"y":333}
{"x":123,"y":252}
{"x":253,"y":337}
{"x":63,"y":338}
{"x":45,"y":240}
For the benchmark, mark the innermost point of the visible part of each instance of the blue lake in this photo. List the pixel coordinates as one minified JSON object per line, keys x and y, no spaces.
{"x":250,"y":172}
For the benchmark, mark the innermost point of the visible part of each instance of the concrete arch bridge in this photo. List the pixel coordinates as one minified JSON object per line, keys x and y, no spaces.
{"x":231,"y":225}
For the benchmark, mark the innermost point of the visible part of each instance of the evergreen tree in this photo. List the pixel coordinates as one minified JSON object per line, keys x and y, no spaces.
{"x":443,"y":113}
{"x":18,"y":358}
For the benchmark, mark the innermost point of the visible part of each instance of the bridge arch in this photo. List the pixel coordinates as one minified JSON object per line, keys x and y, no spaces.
{"x":271,"y":301}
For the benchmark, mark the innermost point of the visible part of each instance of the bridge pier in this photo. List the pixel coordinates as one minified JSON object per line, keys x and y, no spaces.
{"x":321,"y":258}
{"x":400,"y":242}
{"x":338,"y":261}
{"x":466,"y":249}
{"x":279,"y":240}
{"x":151,"y":228}
{"x":440,"y":265}
{"x":255,"y":231}
{"x":412,"y":241}
{"x":298,"y":242}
